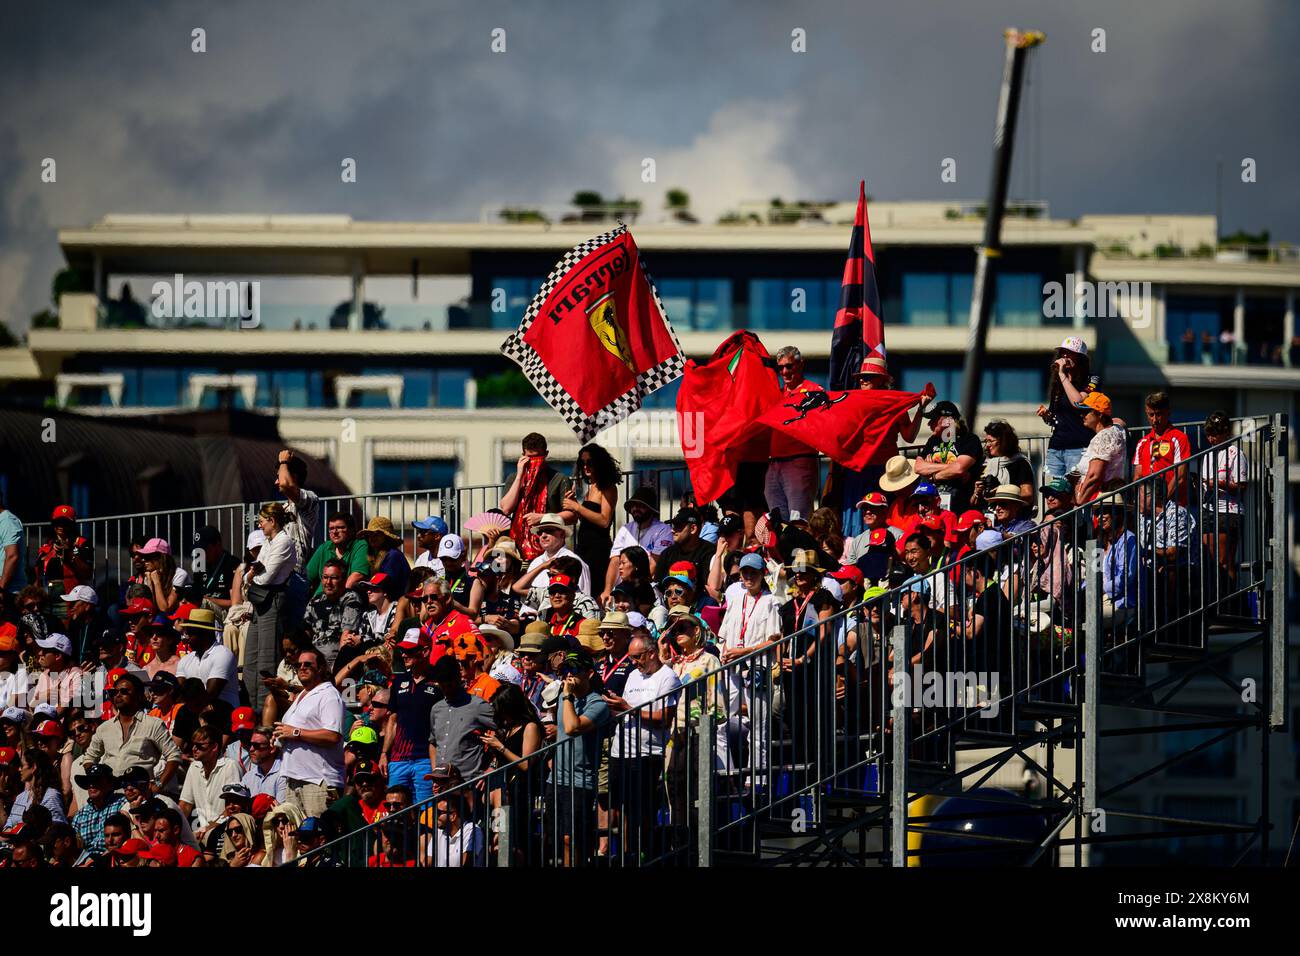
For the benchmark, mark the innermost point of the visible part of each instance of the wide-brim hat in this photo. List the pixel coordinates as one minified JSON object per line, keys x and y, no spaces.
{"x":899,"y":473}
{"x":615,"y":621}
{"x":874,"y":365}
{"x":502,"y":637}
{"x":531,"y":642}
{"x":382,"y":526}
{"x":589,"y":636}
{"x":99,"y":772}
{"x":507,"y":547}
{"x":1010,"y":494}
{"x":551,"y":520}
{"x":201,"y":619}
{"x":647,"y":495}
{"x":803,"y":559}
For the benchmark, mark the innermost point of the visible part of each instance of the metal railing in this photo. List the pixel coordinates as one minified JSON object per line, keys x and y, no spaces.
{"x":975,"y":646}
{"x":110,"y":538}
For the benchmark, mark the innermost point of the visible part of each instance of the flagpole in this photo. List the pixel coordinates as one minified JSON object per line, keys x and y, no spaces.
{"x":1017,"y":45}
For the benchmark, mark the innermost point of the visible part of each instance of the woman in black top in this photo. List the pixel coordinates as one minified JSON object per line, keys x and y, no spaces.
{"x":517,"y":737}
{"x":598,"y":477}
{"x":1070,"y":379}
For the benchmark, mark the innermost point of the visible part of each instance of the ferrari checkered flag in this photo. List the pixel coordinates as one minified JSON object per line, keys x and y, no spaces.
{"x":595,"y":339}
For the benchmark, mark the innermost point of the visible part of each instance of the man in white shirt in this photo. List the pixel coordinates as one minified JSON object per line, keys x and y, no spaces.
{"x":303,"y":505}
{"x":209,"y":660}
{"x":551,"y":533}
{"x":209,"y":771}
{"x":636,"y":755}
{"x":428,"y":532}
{"x":457,"y":841}
{"x":644,"y":530}
{"x":311,"y":737}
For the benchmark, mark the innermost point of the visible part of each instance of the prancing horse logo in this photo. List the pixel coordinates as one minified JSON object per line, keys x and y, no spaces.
{"x":812,"y":401}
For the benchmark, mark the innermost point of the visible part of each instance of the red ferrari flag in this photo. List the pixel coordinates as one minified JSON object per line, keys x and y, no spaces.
{"x":855,"y":428}
{"x":718,"y":407}
{"x":859,"y":331}
{"x":595,"y":339}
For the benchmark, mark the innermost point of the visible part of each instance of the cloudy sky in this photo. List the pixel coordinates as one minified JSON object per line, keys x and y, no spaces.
{"x":441,"y":126}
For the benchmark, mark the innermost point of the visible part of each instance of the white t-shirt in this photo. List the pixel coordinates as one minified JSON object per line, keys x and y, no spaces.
{"x":427,"y":560}
{"x":181,"y":579}
{"x":450,"y":848}
{"x":749,"y":620}
{"x":635,"y":738}
{"x":215,"y":662}
{"x":655,"y":539}
{"x":320,"y":708}
{"x":544,"y":579}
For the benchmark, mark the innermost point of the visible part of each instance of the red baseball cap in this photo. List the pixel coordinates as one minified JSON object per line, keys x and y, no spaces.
{"x":873,"y":499}
{"x":8,"y":637}
{"x":138,"y":605}
{"x":133,"y":847}
{"x":182,"y":612}
{"x":559,"y":581}
{"x":64,"y":513}
{"x":849,"y":572}
{"x":241,"y":718}
{"x":48,"y":728}
{"x":164,"y":854}
{"x":413,"y":639}
{"x":111,"y":678}
{"x":262,"y":805}
{"x":7,"y":755}
{"x":968,"y":519}
{"x":376,"y":582}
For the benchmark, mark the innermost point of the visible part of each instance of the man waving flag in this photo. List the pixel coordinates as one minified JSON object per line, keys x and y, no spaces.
{"x":595,"y":340}
{"x":859,"y":331}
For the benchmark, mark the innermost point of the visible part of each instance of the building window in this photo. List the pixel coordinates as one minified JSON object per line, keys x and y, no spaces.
{"x":1019,"y":299}
{"x":1195,"y":327}
{"x":775,"y":303}
{"x":393,"y":475}
{"x":698,"y":304}
{"x":926,"y":298}
{"x":516,"y":292}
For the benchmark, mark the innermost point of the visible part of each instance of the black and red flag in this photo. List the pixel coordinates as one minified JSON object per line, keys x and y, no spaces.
{"x":856,"y":428}
{"x":859,"y":327}
{"x":718,"y":407}
{"x":595,"y":340}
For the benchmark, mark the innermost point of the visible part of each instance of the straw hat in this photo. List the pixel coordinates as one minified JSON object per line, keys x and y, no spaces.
{"x":379,"y":525}
{"x":589,"y":635}
{"x":1010,"y":494}
{"x":899,"y":473}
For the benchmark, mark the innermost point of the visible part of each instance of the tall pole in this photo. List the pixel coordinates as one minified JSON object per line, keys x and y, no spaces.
{"x":1013,"y":73}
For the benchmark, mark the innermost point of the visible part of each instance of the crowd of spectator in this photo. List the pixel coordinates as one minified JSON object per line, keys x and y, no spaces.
{"x":248,"y":709}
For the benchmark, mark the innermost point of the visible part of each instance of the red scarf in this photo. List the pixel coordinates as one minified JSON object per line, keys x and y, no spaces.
{"x":532,"y":500}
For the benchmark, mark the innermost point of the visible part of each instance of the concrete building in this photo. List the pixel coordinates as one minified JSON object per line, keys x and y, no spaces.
{"x":378,"y":343}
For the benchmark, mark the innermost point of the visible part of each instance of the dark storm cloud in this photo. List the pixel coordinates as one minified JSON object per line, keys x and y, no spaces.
{"x":440,"y":126}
